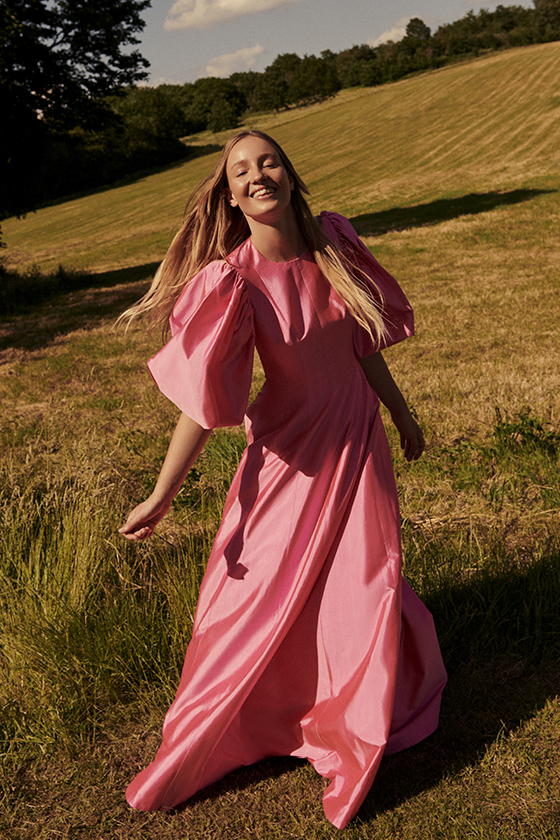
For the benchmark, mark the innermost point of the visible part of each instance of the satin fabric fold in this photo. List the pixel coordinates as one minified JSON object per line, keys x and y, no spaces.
{"x":306,"y":641}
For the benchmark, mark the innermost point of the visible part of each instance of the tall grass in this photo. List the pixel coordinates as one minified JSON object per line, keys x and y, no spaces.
{"x":89,"y":622}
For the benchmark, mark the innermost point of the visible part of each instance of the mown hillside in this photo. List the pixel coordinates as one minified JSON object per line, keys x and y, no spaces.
{"x":492,"y":123}
{"x":453,"y":179}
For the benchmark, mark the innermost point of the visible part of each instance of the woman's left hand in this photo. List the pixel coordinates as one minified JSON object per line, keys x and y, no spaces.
{"x":412,"y":439}
{"x":379,"y":377}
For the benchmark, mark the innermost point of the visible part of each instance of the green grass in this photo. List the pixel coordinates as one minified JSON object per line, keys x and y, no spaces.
{"x":452,"y":180}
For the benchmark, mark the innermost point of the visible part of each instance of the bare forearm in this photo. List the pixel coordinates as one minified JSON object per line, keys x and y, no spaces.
{"x":186,"y":445}
{"x":379,"y":377}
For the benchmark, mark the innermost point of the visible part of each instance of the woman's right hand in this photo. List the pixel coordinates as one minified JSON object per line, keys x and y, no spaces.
{"x":143,"y":519}
{"x":186,"y":444}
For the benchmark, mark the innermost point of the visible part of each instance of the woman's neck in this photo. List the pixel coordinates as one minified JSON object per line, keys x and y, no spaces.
{"x":279,"y":242}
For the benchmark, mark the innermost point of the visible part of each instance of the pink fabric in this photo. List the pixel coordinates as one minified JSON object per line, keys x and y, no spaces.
{"x":206,"y":368}
{"x":306,"y":642}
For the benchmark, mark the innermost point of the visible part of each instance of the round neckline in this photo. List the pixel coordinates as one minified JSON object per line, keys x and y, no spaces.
{"x":280,"y":262}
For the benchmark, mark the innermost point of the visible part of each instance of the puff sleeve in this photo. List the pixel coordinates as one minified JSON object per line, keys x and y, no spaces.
{"x":397,"y":311}
{"x":206,"y":367}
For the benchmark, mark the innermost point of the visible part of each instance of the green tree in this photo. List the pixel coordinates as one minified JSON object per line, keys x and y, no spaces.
{"x":247,"y":82}
{"x":216,"y":104}
{"x":357,"y":66}
{"x":507,"y":26}
{"x":58,"y":60}
{"x":413,"y":51}
{"x":152,"y":116}
{"x":314,"y":79}
{"x":416,"y":28}
{"x":274,"y":86}
{"x":548,"y":18}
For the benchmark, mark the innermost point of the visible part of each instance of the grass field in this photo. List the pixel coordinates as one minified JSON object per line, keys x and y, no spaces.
{"x":453,"y":180}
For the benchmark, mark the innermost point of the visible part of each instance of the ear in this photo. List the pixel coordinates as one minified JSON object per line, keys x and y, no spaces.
{"x":230,"y":199}
{"x":291,"y":183}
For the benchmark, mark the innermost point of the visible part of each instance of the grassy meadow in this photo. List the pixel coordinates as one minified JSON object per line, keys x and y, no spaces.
{"x":453,"y":179}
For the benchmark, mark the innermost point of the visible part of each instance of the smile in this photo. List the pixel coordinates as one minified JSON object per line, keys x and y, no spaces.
{"x":263,"y":192}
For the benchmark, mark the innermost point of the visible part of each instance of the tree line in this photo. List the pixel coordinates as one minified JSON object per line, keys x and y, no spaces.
{"x":76,"y":116}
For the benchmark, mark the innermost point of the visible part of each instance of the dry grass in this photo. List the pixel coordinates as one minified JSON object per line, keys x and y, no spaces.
{"x":460,"y":202}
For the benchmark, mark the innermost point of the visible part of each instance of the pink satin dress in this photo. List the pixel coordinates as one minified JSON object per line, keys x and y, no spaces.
{"x":306,"y":640}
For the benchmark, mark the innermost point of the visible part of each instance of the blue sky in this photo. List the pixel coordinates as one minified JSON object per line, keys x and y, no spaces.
{"x":187,"y":39}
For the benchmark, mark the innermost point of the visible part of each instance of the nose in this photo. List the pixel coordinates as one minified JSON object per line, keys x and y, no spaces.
{"x":258,"y":175}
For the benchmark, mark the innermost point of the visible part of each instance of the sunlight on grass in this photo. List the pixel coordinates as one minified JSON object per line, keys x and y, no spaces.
{"x":463,"y":209}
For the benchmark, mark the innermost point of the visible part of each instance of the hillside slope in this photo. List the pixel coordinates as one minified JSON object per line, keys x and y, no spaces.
{"x":491,"y":124}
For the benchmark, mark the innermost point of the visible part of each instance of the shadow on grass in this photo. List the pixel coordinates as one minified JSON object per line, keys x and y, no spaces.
{"x":244,"y":778}
{"x":40,"y":307}
{"x":442,"y":210}
{"x":57,"y":310}
{"x":190,"y":153}
{"x":501,"y":642}
{"x":500,"y":639}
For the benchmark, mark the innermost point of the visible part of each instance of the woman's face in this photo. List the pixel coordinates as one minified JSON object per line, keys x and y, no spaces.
{"x":258,"y":182}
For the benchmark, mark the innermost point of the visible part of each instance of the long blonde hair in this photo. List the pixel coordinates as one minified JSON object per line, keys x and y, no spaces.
{"x":199,"y":242}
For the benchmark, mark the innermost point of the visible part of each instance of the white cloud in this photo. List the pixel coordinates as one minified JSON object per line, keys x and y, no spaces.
{"x":225,"y":65}
{"x":198,"y":14}
{"x":396,"y":32}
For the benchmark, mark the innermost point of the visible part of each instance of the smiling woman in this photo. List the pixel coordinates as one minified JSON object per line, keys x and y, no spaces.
{"x":260,"y":186}
{"x":306,"y":640}
{"x":254,"y":169}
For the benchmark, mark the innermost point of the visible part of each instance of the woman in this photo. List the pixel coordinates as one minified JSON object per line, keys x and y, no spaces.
{"x":306,"y":641}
